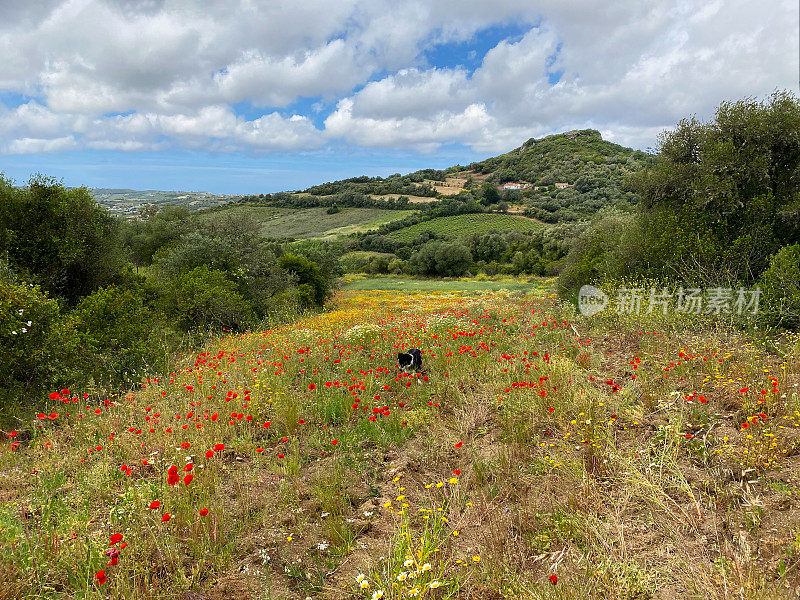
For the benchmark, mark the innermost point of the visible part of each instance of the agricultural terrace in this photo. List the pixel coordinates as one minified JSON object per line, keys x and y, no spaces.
{"x":460,"y":226}
{"x":538,"y":456}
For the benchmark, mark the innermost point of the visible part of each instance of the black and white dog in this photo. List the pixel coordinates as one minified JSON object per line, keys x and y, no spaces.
{"x":411,"y":361}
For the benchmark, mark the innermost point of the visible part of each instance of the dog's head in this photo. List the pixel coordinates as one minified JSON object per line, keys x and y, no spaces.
{"x":405,"y":361}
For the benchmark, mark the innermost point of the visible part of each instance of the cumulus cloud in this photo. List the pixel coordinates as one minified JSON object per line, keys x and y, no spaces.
{"x":141,"y":75}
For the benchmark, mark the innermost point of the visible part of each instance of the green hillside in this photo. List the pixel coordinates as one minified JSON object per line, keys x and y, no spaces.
{"x":563,"y":177}
{"x":462,"y":226}
{"x":308,"y":223}
{"x":593,"y":169}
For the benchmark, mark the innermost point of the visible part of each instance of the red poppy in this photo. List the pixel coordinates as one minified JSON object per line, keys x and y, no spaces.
{"x":100,"y":576}
{"x":209,"y":453}
{"x":219,"y":447}
{"x":203,"y":512}
{"x":154,"y":504}
{"x":166,"y":517}
{"x":115,"y":538}
{"x":188,"y":479}
{"x":459,"y":444}
{"x":334,"y":442}
{"x":553,"y":579}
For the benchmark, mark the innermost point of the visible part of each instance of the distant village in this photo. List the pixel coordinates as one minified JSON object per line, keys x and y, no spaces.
{"x":525,"y":186}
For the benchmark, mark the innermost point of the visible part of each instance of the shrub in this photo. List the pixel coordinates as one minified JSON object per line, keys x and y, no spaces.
{"x":307,"y":273}
{"x":443,"y":259}
{"x":31,"y":339}
{"x":780,"y":284}
{"x":206,"y":297}
{"x":116,"y":335}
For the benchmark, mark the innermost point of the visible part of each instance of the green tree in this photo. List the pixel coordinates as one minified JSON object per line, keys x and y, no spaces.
{"x":733,"y":182}
{"x":781,"y":288}
{"x":307,"y":273}
{"x":489,"y":194}
{"x":206,"y":297}
{"x":58,"y":238}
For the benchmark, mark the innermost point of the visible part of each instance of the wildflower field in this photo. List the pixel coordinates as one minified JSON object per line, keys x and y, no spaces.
{"x":538,"y":455}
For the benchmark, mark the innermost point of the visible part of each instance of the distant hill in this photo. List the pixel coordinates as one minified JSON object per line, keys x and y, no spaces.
{"x":558,"y":178}
{"x":567,"y":176}
{"x":124,"y":202}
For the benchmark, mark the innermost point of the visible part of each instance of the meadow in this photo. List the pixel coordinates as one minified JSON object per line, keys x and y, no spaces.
{"x":307,"y":223}
{"x":465,"y":284}
{"x":461,"y":226}
{"x":539,"y":455}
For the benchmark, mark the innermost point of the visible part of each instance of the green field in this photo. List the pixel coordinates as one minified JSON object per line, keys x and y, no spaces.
{"x":309,"y":223}
{"x":466,"y":225}
{"x":445,"y":285}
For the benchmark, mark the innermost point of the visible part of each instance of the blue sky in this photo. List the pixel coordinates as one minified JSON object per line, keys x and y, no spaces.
{"x":258,"y":96}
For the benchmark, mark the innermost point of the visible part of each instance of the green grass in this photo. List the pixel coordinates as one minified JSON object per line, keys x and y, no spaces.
{"x":308,"y":223}
{"x":447,"y":285}
{"x":466,"y":225}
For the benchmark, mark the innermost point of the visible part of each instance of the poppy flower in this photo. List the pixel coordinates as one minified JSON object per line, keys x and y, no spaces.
{"x":459,"y":444}
{"x":219,"y":447}
{"x":209,"y":453}
{"x":553,"y":579}
{"x":334,"y":442}
{"x":154,"y":504}
{"x":203,"y":512}
{"x":188,"y":479}
{"x":166,"y":517}
{"x":100,"y":576}
{"x":115,"y":538}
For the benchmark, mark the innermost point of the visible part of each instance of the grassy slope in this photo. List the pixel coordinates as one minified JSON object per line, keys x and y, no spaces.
{"x":466,"y":225}
{"x":516,"y":460}
{"x":313,"y":222}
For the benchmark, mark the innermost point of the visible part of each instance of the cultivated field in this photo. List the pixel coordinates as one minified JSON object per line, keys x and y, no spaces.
{"x":459,"y":226}
{"x":539,"y":455}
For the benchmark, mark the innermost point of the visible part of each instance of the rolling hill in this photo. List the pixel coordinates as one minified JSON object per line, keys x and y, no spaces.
{"x":558,"y":178}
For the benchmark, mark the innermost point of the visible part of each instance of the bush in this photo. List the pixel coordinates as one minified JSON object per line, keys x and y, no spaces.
{"x":58,"y":238}
{"x":206,"y":297}
{"x":31,"y":339}
{"x":780,"y":284}
{"x":442,"y":259}
{"x":116,"y":335}
{"x":307,"y":273}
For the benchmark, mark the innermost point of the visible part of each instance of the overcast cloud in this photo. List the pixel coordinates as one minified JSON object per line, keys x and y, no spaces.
{"x":271,"y":76}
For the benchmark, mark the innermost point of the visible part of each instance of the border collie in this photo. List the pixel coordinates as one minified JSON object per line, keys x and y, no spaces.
{"x":411,"y":361}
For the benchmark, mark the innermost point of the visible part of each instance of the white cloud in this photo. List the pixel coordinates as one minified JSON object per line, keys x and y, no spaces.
{"x":142,"y":75}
